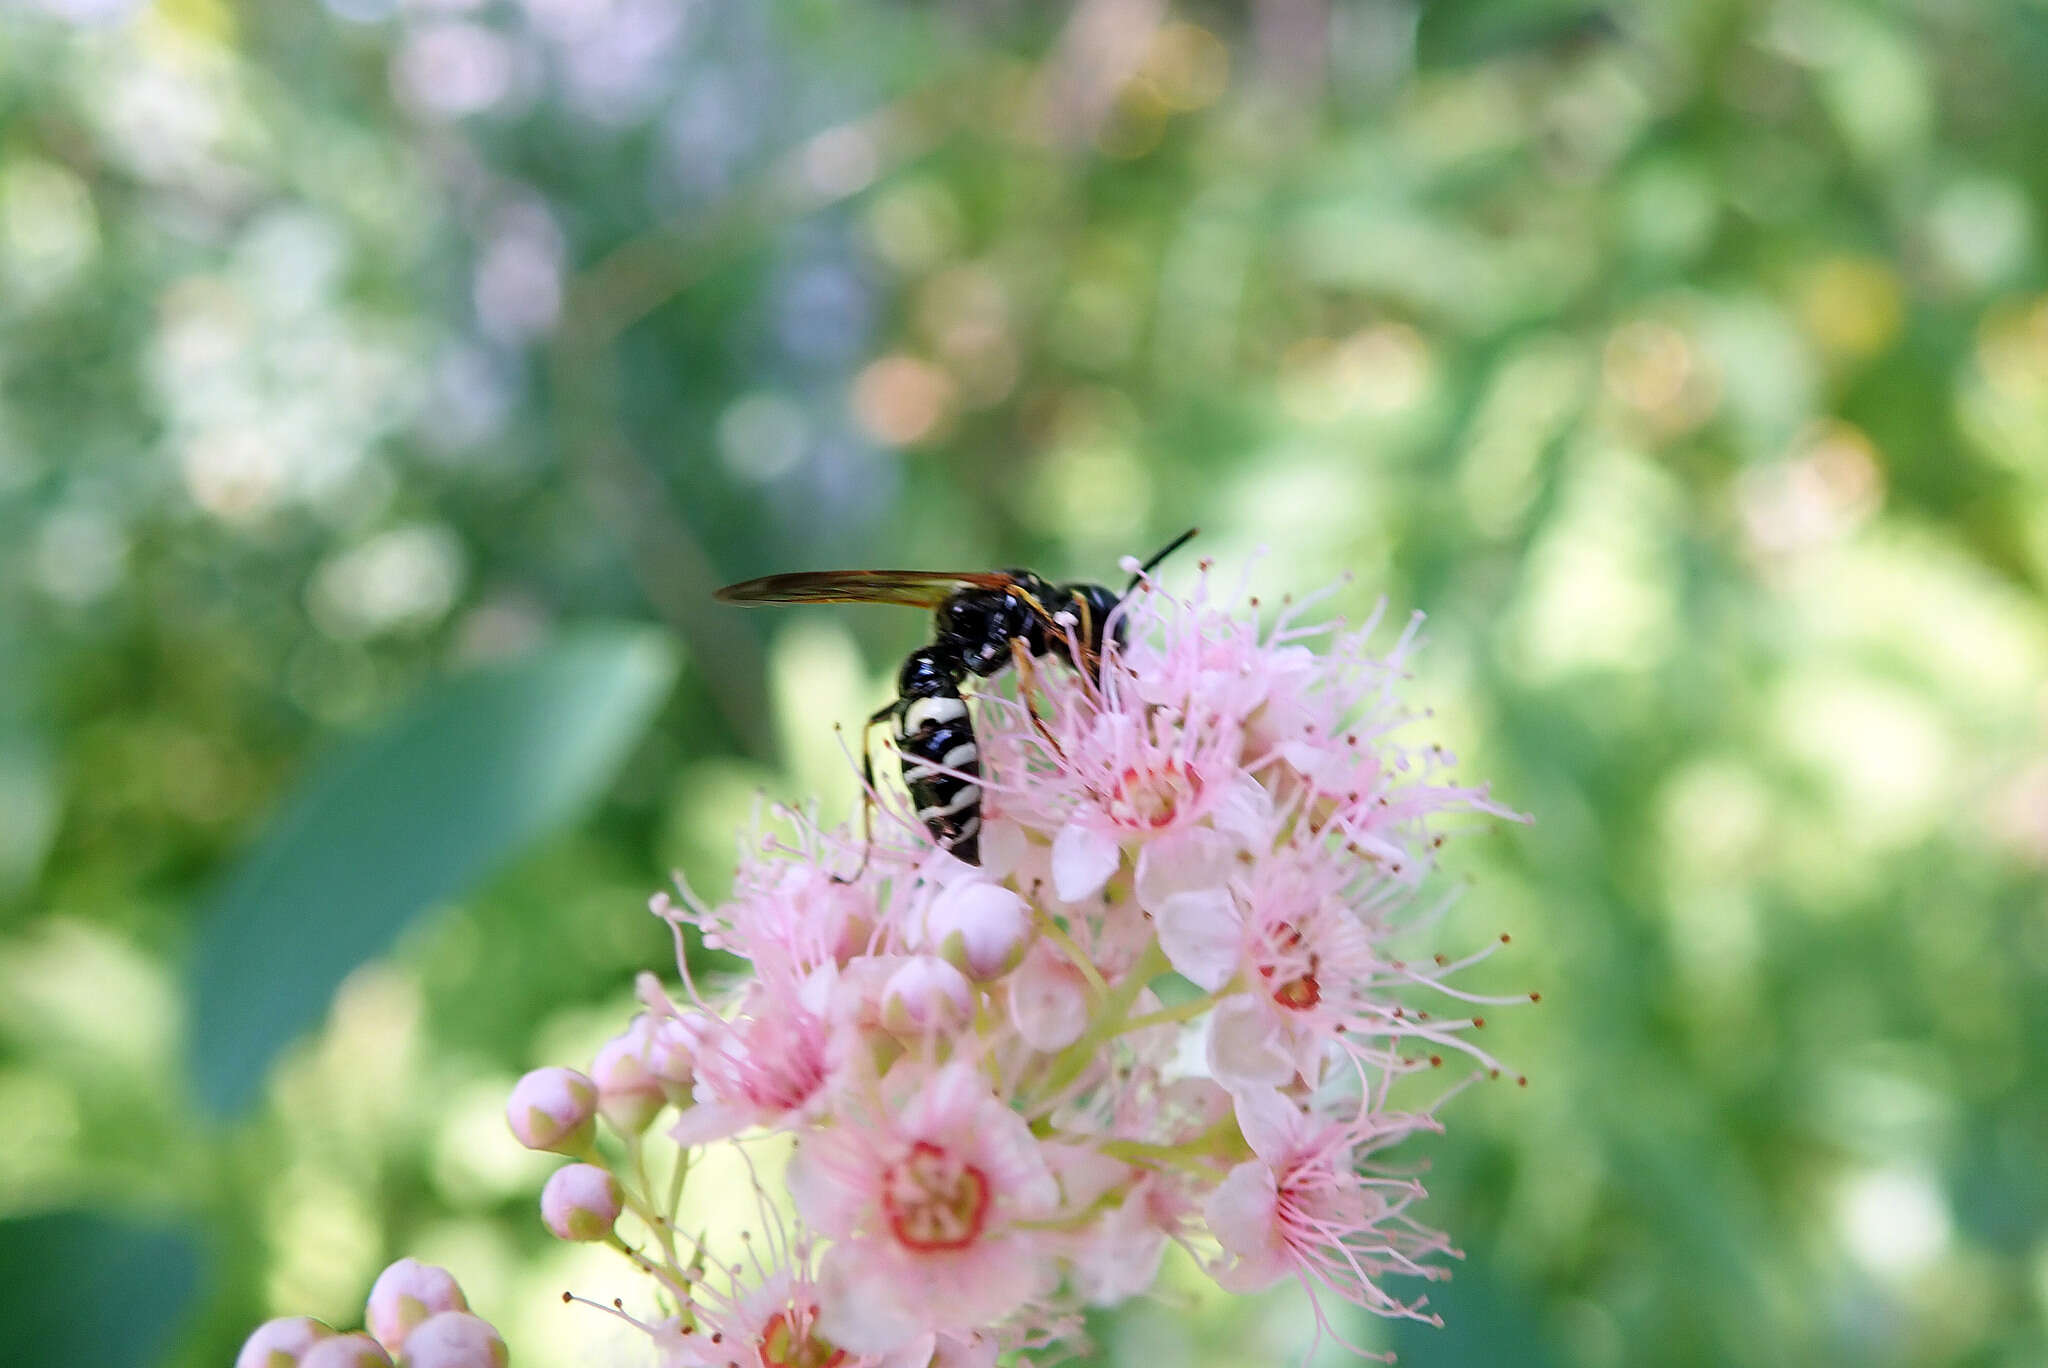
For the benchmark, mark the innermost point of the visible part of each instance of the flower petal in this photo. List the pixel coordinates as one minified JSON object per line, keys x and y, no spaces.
{"x":1183,"y":862}
{"x":858,"y":1310}
{"x":1243,"y":1213}
{"x":1082,"y":861}
{"x":1271,"y":1124}
{"x":1245,"y":1047}
{"x":1202,"y":935}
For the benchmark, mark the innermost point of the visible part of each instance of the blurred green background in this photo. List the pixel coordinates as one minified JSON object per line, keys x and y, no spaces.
{"x":384,"y":386}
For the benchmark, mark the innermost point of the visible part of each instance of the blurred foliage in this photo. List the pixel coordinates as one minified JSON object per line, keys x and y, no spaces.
{"x":1688,"y":363}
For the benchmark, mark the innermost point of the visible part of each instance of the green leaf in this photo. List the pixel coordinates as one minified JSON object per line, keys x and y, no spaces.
{"x":83,"y":1288}
{"x":411,"y":815}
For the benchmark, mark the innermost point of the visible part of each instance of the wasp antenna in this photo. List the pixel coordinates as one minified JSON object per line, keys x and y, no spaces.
{"x":1161,"y":554}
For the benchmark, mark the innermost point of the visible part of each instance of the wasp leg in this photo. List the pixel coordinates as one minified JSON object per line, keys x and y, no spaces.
{"x":1027,"y":691}
{"x":867,"y":791}
{"x":1091,"y":659}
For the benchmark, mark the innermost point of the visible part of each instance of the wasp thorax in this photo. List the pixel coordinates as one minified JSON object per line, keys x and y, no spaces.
{"x":981,"y":624}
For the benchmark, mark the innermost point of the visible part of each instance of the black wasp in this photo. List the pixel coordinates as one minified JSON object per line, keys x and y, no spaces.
{"x":980,"y":621}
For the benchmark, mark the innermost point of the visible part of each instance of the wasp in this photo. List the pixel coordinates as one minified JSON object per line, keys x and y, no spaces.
{"x":982,"y":621}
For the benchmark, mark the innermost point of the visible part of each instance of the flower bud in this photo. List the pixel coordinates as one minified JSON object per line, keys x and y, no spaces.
{"x":552,"y":1109}
{"x":926,"y":994}
{"x":672,"y":1044}
{"x":980,"y":928}
{"x":281,"y":1343}
{"x":1048,"y":1000}
{"x":628,"y":1096}
{"x":454,"y":1339}
{"x":346,"y":1351}
{"x":404,"y":1295}
{"x":580,"y":1202}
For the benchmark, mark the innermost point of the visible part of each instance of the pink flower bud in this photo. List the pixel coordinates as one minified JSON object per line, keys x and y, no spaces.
{"x":672,"y":1044}
{"x":580,"y":1202}
{"x":1048,"y":1000}
{"x":454,"y":1339}
{"x":404,"y":1295}
{"x":346,"y":1351}
{"x":281,"y":1343}
{"x":628,"y":1095}
{"x":927,"y":994}
{"x":980,"y":928}
{"x":553,"y":1109}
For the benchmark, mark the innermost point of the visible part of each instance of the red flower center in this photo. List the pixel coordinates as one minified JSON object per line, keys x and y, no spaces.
{"x":1153,"y":798}
{"x":934,"y":1201}
{"x":786,"y":1344}
{"x":1290,"y":970}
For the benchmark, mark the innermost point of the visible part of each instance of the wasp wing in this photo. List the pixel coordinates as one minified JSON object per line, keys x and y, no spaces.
{"x":911,"y":588}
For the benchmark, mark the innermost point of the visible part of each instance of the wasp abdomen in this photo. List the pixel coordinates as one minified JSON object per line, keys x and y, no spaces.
{"x":940,"y":760}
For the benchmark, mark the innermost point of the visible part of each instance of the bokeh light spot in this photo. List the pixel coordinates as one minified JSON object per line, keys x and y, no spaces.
{"x":901,"y":400}
{"x":762,"y":436}
{"x":1895,"y":1221}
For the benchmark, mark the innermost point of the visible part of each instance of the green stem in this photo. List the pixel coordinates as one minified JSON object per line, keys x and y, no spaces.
{"x":1188,"y":1010}
{"x":1059,"y":936}
{"x":1109,"y":1020}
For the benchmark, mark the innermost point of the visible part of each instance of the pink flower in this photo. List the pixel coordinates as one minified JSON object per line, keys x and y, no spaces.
{"x":791,"y":917}
{"x":770,"y":1060}
{"x":1310,"y":1205}
{"x":924,"y":1205}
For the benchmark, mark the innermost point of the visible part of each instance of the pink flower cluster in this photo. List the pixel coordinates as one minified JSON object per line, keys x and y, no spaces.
{"x":1165,"y":1008}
